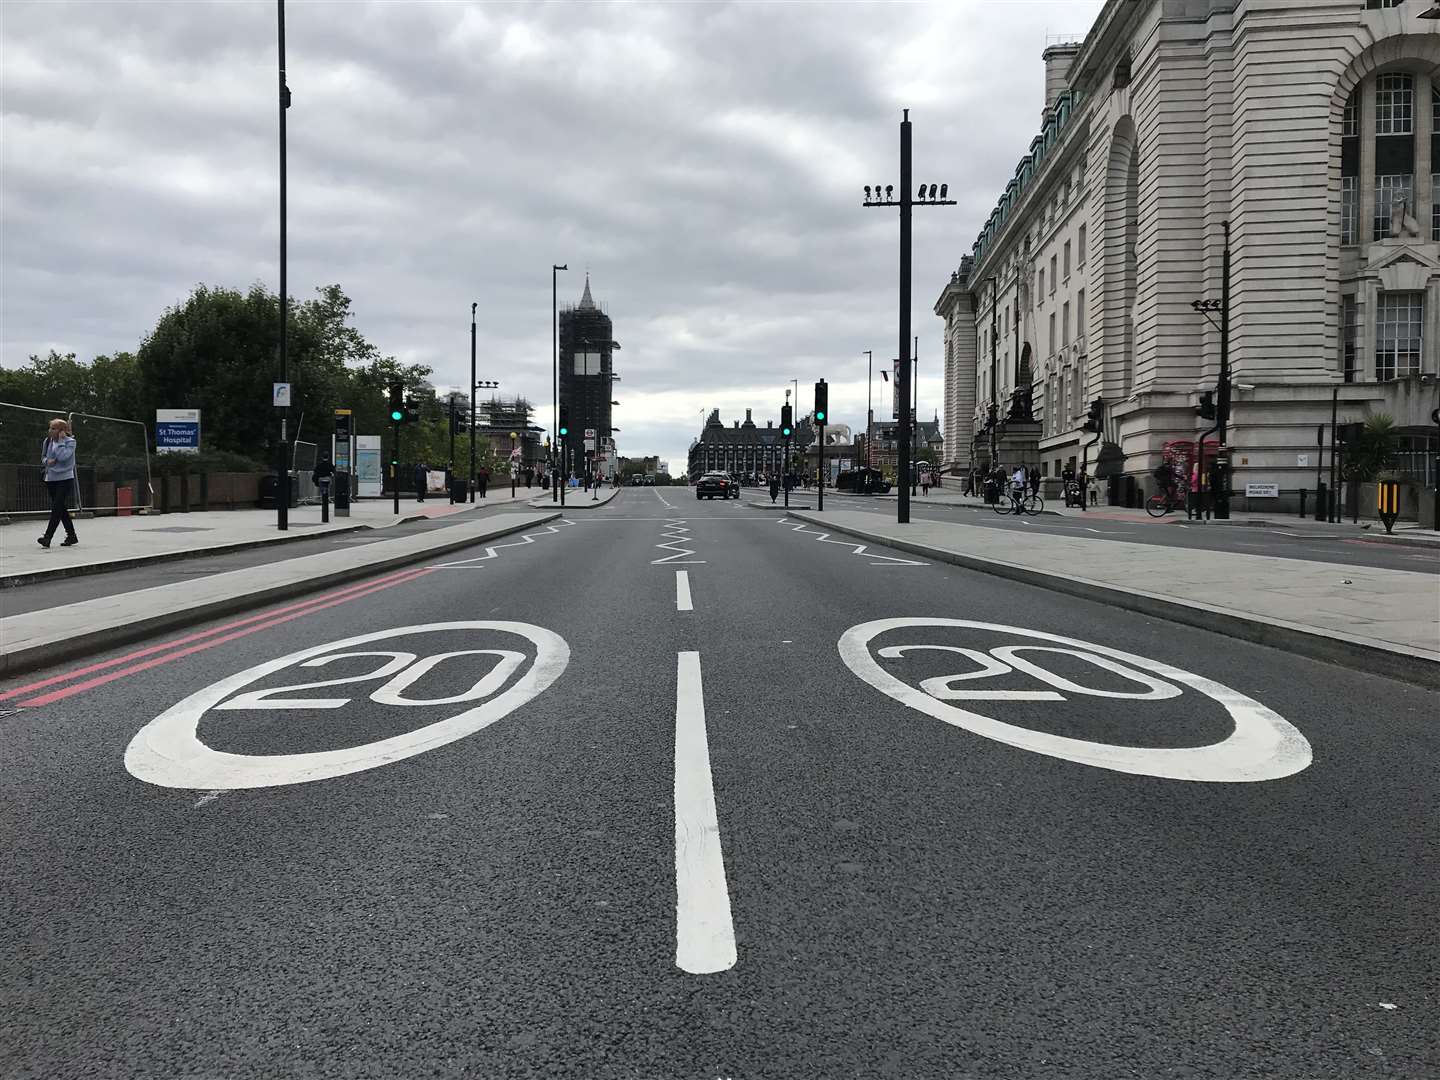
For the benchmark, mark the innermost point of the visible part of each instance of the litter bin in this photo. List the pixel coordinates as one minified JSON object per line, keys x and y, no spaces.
{"x":459,"y":489}
{"x":269,"y":493}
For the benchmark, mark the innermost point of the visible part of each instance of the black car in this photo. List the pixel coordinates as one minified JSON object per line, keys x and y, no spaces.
{"x":716,"y":485}
{"x":863,"y":482}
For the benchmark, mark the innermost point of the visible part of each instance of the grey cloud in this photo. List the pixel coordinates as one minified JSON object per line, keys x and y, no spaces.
{"x":703,"y":160}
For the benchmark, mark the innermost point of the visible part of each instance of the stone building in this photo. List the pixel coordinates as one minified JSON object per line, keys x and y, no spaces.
{"x":587,"y":377}
{"x":1312,"y":129}
{"x":744,"y":449}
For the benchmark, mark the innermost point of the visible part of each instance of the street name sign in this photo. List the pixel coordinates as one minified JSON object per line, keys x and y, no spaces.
{"x":1262,"y":491}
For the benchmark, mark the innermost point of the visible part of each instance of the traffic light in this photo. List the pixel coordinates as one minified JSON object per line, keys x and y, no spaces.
{"x":459,"y":422}
{"x":786,"y":426}
{"x":822,"y":401}
{"x":1206,"y":409}
{"x":412,"y":412}
{"x":1095,"y":419}
{"x":564,"y":420}
{"x":397,"y":403}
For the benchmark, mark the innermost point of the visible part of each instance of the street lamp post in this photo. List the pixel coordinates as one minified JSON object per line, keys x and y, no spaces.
{"x":472,"y":400}
{"x":869,"y":408}
{"x":926,"y":197}
{"x":554,"y":374}
{"x":282,"y":501}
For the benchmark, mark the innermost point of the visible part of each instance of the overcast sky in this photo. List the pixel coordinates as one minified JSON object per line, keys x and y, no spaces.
{"x":704,"y":161}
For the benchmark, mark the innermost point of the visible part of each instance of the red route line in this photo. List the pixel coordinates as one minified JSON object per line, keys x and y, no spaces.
{"x":135,"y":669}
{"x":67,"y":676}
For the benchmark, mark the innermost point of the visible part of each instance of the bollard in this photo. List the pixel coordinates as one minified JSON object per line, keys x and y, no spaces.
{"x":1387,"y":499}
{"x":324,"y":502}
{"x":1321,"y":509}
{"x":1303,"y":493}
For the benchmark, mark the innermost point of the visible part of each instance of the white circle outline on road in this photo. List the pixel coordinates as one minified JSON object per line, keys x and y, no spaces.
{"x":1262,"y":746}
{"x":168,"y":752}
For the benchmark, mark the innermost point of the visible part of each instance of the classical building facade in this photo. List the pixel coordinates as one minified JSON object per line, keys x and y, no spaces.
{"x":1308,"y":132}
{"x":744,"y":448}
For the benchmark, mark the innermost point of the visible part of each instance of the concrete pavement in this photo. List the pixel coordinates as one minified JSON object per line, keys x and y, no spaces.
{"x":1376,"y":619}
{"x":114,"y":543}
{"x":1019,"y":889}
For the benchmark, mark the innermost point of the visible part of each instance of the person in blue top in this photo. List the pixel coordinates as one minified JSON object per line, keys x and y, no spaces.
{"x":57,"y":462}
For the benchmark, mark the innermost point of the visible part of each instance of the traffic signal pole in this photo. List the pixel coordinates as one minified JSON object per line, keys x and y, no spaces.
{"x":395,"y":464}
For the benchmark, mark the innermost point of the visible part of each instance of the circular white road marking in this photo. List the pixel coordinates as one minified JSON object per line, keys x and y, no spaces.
{"x":168,"y":751}
{"x":1262,"y":745}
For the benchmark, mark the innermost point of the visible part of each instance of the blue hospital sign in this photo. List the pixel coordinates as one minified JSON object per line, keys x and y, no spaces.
{"x":177,"y":430}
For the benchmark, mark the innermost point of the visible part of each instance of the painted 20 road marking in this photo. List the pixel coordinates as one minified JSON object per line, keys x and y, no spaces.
{"x":1261,"y":746}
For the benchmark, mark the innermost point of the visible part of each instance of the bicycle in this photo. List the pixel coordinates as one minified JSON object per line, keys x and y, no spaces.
{"x":1161,"y":504}
{"x":1022,"y":503}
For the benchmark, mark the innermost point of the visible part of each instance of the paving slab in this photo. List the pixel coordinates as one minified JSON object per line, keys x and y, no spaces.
{"x":114,"y":543}
{"x":1379,"y":620}
{"x":38,"y":638}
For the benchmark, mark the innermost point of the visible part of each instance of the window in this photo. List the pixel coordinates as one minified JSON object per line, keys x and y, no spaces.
{"x":1065,"y":324}
{"x":1080,"y":314}
{"x":1389,"y":192}
{"x":1052,"y":273}
{"x":1397,"y":335}
{"x":1434,"y":106}
{"x":1082,"y":245}
{"x":1376,"y":5}
{"x":1042,"y":281}
{"x":1347,"y":337}
{"x":1435,"y":206}
{"x":1067,"y":260}
{"x":1350,"y":210}
{"x":1394,"y":105}
{"x":1052,"y":334}
{"x":1350,"y":125}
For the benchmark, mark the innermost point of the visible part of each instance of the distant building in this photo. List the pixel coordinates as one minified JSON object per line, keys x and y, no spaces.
{"x":926,"y":439}
{"x":587,"y":379}
{"x":1312,"y":129}
{"x":498,"y":419}
{"x":745,"y":449}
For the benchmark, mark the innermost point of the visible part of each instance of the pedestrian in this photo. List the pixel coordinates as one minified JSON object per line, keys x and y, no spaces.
{"x":1035,"y":482}
{"x":422,"y":479}
{"x":57,"y":465}
{"x":774,"y":487}
{"x":1192,"y":504}
{"x":482,"y":479}
{"x":1018,"y":481}
{"x":925,"y":483}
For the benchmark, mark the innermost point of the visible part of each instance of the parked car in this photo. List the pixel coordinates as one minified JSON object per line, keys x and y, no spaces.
{"x":716,"y":485}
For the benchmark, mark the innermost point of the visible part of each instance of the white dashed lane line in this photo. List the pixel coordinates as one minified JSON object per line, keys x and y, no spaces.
{"x":682,"y":591}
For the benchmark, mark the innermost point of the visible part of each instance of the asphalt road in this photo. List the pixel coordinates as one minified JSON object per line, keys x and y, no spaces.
{"x":709,"y":827}
{"x":1294,"y":542}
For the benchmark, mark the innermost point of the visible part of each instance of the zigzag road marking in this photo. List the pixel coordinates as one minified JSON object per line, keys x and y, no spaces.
{"x":855,"y":549}
{"x":674,"y":538}
{"x":491,"y":552}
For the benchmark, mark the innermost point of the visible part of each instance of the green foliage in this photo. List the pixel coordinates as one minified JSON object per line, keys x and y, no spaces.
{"x":173,"y":464}
{"x":218,"y":352}
{"x":1374,"y":452}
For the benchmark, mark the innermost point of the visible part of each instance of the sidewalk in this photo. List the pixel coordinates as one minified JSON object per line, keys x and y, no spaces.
{"x":113,"y":543}
{"x":1382,"y":621}
{"x":49,"y":636}
{"x":1407,"y":532}
{"x":575,"y":499}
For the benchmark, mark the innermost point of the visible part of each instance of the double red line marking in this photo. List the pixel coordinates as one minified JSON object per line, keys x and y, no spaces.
{"x":205,"y":639}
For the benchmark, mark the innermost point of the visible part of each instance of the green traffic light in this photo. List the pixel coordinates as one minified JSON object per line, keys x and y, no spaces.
{"x":396,"y":415}
{"x":820,"y":415}
{"x":785,"y":432}
{"x":564,"y":431}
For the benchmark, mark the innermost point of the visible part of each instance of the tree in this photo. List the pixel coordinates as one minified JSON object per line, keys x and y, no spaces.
{"x":1374,"y":452}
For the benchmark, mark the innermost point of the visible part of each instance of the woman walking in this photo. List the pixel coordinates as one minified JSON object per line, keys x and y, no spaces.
{"x":57,"y":461}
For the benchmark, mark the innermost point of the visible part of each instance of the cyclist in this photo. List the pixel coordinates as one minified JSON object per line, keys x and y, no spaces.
{"x":1165,"y":478}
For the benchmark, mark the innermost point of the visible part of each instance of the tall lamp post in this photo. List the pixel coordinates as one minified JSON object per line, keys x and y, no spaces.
{"x":282,"y":500}
{"x":472,"y":400}
{"x":926,"y":197}
{"x":869,"y":406}
{"x":555,"y":374}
